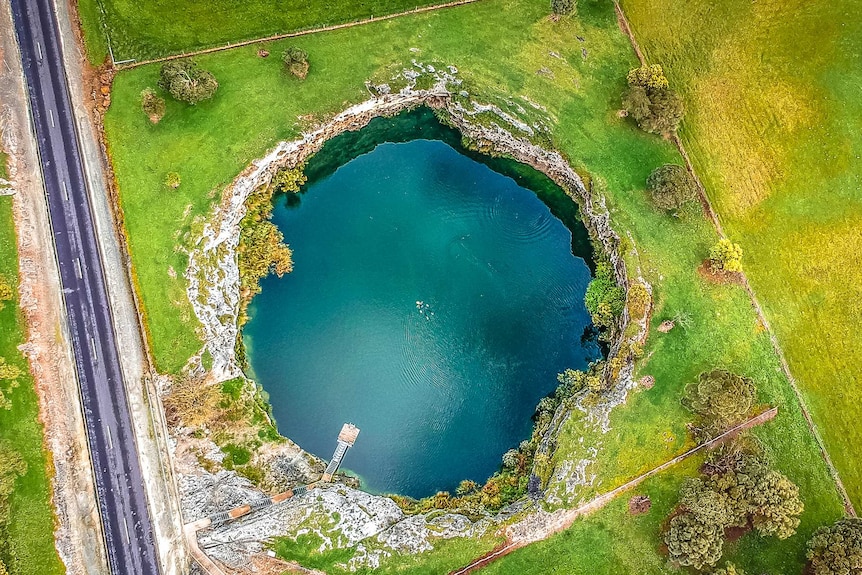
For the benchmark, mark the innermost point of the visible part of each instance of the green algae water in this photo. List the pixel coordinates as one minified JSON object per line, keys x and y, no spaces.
{"x":433,"y":301}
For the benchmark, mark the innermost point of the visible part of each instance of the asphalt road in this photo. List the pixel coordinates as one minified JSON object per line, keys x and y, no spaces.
{"x":119,"y":484}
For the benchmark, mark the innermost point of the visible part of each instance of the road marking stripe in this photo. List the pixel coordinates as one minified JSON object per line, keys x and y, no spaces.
{"x":39,"y":49}
{"x":110,"y":439}
{"x":51,"y":117}
{"x":93,"y":345}
{"x":65,"y":191}
{"x":126,"y":525}
{"x":78,"y":271}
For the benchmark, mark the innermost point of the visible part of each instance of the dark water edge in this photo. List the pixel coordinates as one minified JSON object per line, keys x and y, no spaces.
{"x":420,"y":124}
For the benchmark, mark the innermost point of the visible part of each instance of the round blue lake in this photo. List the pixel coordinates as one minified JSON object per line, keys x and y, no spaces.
{"x":433,"y":301}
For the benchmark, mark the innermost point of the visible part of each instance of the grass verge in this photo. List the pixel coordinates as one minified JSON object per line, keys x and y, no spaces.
{"x":29,"y":543}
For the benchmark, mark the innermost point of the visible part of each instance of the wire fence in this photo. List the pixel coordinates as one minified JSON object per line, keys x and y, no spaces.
{"x":305,"y":31}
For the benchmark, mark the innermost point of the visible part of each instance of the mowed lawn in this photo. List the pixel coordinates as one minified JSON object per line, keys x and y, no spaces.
{"x":774,"y":127}
{"x":31,"y":527}
{"x":507,"y":52}
{"x":144,"y":29}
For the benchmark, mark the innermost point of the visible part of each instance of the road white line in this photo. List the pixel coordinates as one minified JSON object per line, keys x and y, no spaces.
{"x":126,"y":525}
{"x":51,"y":117}
{"x":110,"y":439}
{"x":39,"y":49}
{"x":78,"y":271}
{"x":65,"y":191}
{"x":93,"y":345}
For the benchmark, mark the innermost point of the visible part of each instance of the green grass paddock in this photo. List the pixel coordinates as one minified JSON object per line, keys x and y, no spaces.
{"x":507,"y":51}
{"x":31,"y":527}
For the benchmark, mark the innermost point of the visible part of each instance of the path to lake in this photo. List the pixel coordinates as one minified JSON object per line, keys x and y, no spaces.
{"x":432,"y":304}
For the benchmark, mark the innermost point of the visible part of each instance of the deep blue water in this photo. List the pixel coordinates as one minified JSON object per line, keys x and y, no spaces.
{"x":432,"y":304}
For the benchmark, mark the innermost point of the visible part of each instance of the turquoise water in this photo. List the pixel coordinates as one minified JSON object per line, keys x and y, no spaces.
{"x":432,"y":304}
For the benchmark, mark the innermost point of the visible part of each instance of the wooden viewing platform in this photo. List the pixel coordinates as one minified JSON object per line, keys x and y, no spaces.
{"x":346,"y":439}
{"x":348,"y":434}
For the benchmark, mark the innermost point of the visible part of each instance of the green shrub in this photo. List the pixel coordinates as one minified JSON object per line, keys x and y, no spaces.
{"x":571,"y":382}
{"x":721,"y":399}
{"x":650,"y":77}
{"x":604,"y":299}
{"x":288,"y":180}
{"x":186,"y":82}
{"x":511,"y":459}
{"x":638,"y":300}
{"x":670,"y":186}
{"x":261,"y":249}
{"x":466,"y":487}
{"x":172,"y":180}
{"x":9,"y":375}
{"x":693,"y":543}
{"x":837,"y":549}
{"x":747,"y":493}
{"x":153,"y":105}
{"x":725,"y":256}
{"x":296,"y":61}
{"x":654,"y":106}
{"x":235,"y":456}
{"x":7,"y":292}
{"x":563,"y":7}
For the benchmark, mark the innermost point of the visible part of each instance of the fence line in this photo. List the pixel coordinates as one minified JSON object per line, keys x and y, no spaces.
{"x":568,"y":518}
{"x":125,"y":64}
{"x":761,"y":315}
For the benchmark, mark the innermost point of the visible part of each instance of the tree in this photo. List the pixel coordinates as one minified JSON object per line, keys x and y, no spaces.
{"x":725,"y":256}
{"x":186,"y":82}
{"x":296,"y":61}
{"x":604,"y":299}
{"x":466,"y":487}
{"x":192,"y":402}
{"x":748,"y":493}
{"x":153,"y":105}
{"x":837,"y":549}
{"x":7,"y":292}
{"x":261,"y":249}
{"x":760,"y":495}
{"x":692,"y":543}
{"x":720,"y":398}
{"x":172,"y":180}
{"x":670,"y":186}
{"x":665,"y":112}
{"x":648,"y":99}
{"x":563,"y":7}
{"x":571,"y":382}
{"x":511,"y":459}
{"x":649,"y":77}
{"x":708,"y":506}
{"x":774,"y":505}
{"x":288,"y":179}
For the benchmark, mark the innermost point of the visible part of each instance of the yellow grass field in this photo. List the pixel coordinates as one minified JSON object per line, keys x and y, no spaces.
{"x":774,"y":129}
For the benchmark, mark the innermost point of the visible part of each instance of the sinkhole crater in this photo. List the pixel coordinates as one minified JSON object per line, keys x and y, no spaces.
{"x":435,"y":296}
